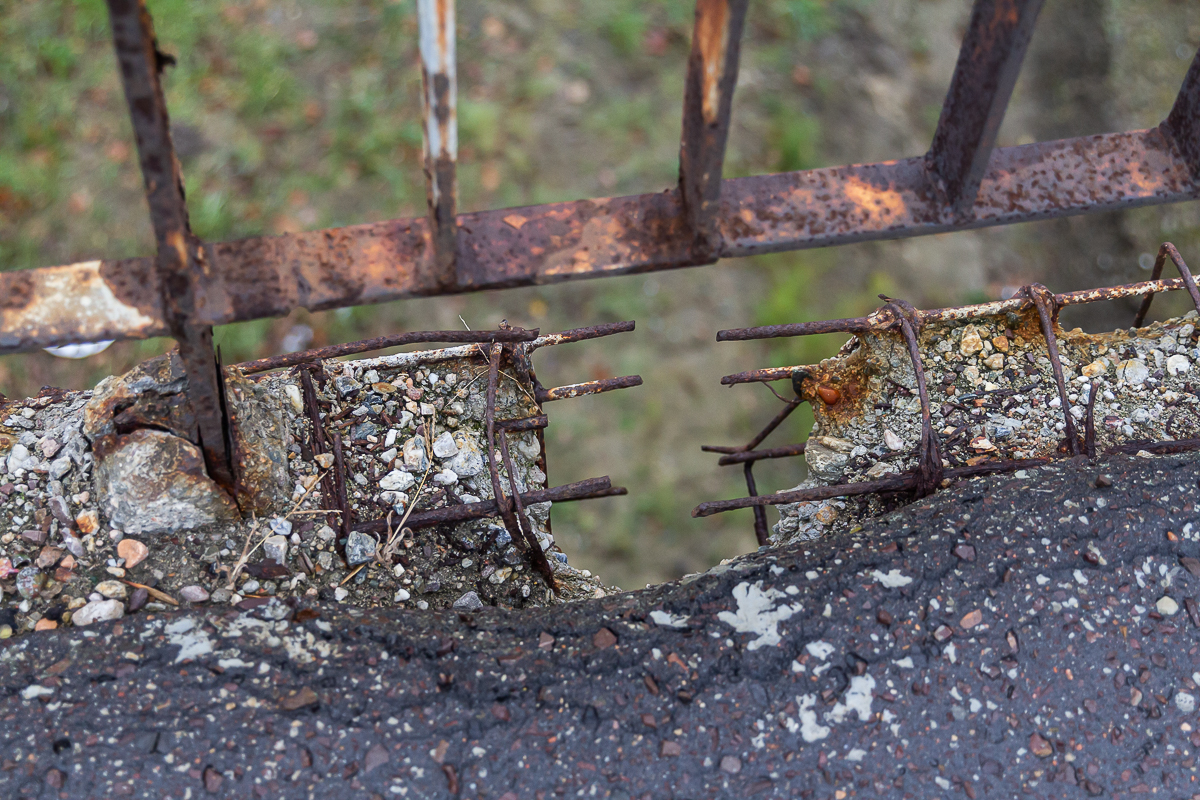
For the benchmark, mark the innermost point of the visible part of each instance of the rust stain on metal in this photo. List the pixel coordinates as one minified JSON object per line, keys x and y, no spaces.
{"x":837,"y":389}
{"x":439,"y":102}
{"x":18,"y":291}
{"x":829,"y":395}
{"x":712,"y":35}
{"x":377,"y":262}
{"x":76,"y":303}
{"x":707,"y":105}
{"x":874,"y":205}
{"x":590,"y":387}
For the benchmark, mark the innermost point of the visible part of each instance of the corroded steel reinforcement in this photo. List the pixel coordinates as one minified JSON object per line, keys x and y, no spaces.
{"x":901,"y":317}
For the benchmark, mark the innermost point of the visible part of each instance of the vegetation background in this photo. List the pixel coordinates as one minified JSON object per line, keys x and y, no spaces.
{"x":296,"y":114}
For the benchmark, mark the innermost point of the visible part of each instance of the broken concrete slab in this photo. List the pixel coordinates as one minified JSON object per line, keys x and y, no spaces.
{"x":150,"y":481}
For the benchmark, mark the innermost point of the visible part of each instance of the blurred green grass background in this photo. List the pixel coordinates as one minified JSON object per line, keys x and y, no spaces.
{"x":295,"y":115}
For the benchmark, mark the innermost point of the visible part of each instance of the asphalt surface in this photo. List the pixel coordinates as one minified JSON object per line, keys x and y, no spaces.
{"x":1005,"y":638}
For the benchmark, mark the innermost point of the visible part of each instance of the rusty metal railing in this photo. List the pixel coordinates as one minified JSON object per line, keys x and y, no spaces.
{"x":963,"y":182}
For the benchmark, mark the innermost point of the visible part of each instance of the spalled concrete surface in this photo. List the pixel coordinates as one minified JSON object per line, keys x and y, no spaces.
{"x":1008,"y":637}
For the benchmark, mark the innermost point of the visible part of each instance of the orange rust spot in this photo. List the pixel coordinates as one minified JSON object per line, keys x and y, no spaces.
{"x":177,"y":243}
{"x":846,"y":376}
{"x":829,"y":396}
{"x":515,"y":220}
{"x":712,"y":27}
{"x":880,"y":207}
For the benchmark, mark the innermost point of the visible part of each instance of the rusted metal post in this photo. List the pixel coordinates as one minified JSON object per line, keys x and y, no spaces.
{"x":183,"y":266}
{"x":988,"y":64}
{"x":1183,"y":123}
{"x":707,"y":101}
{"x":439,"y":105}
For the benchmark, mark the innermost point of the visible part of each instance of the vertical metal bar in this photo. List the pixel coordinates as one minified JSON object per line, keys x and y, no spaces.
{"x":536,"y":554}
{"x":502,"y":503}
{"x":1047,"y":308}
{"x":707,"y":101}
{"x":182,"y":264}
{"x":339,"y":484}
{"x":523,"y":366}
{"x":929,"y":457}
{"x":988,"y":64}
{"x":761,"y":533}
{"x":1189,"y":283}
{"x":439,"y":106}
{"x":1183,"y":123}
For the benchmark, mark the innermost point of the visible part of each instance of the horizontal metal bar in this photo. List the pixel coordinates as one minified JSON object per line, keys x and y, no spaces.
{"x":883,"y":319}
{"x":760,"y":375}
{"x":590,"y":387}
{"x":786,"y":451}
{"x":582,"y":334}
{"x":1158,"y":448}
{"x":580,"y":490}
{"x":382,"y":342}
{"x":526,"y":424}
{"x":272,"y":275}
{"x":721,"y":448}
{"x":892,"y":483}
{"x":851,"y":325}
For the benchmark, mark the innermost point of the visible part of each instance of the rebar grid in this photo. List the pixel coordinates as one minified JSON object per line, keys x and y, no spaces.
{"x":513,"y":344}
{"x":899,"y":316}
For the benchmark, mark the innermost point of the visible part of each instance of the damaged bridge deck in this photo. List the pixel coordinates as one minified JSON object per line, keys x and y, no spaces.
{"x":1026,"y":632}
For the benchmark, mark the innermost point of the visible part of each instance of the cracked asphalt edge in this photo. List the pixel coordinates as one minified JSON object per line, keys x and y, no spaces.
{"x":1027,"y":633}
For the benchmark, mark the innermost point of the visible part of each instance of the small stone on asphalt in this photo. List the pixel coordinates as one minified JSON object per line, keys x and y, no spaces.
{"x":194,"y":593}
{"x":98,"y":611}
{"x":468,"y":602}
